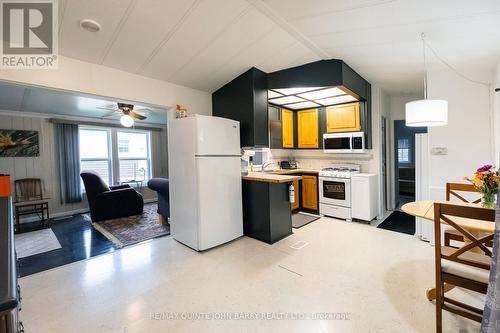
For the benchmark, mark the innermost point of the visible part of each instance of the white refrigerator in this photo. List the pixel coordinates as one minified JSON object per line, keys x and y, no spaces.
{"x":205,"y":181}
{"x":424,"y":228}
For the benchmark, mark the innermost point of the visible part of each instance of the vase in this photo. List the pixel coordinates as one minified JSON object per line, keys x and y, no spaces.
{"x":489,"y":200}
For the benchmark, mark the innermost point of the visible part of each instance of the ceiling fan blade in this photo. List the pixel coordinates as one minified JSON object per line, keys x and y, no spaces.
{"x":109,"y":114}
{"x":106,"y":108}
{"x":137,"y":115}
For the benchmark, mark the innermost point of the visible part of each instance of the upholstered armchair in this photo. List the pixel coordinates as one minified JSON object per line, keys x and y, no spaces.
{"x":110,"y":202}
{"x":161,"y":186}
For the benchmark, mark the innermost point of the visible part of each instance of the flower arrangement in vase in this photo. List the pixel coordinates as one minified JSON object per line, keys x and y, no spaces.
{"x":486,"y":181}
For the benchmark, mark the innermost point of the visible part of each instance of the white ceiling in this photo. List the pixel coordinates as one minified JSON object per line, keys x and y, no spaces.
{"x":54,"y":102}
{"x":205,"y":43}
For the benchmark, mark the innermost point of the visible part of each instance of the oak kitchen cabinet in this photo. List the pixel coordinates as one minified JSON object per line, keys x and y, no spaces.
{"x":287,"y":128}
{"x":310,"y":192}
{"x":307,"y":129}
{"x":343,"y":118}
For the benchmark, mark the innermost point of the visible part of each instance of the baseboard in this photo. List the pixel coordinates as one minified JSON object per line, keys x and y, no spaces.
{"x":55,"y":215}
{"x":60,"y":215}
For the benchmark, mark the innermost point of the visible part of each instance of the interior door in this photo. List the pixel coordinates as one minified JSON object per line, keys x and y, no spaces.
{"x":343,"y":118}
{"x":287,"y":128}
{"x":307,"y":128}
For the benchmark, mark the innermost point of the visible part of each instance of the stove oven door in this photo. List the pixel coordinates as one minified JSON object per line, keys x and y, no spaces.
{"x":335,"y":191}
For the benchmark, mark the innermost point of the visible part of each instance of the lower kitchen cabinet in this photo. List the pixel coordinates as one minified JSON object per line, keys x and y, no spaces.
{"x":310,"y":192}
{"x":266,"y":211}
{"x":307,"y":129}
{"x":343,"y":118}
{"x":296,"y":204}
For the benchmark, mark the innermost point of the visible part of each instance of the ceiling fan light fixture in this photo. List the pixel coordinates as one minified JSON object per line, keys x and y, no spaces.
{"x":126,"y":120}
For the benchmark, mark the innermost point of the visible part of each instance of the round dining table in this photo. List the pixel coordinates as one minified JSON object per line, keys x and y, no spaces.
{"x":425,"y":210}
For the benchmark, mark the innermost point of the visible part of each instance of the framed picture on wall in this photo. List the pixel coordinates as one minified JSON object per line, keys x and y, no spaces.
{"x":19,"y":143}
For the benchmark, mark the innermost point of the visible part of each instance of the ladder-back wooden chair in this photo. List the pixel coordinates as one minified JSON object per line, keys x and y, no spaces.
{"x":454,"y":190}
{"x":466,"y":267}
{"x":28,"y":195}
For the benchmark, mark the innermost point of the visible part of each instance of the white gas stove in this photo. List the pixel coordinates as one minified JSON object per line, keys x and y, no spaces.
{"x":335,"y":190}
{"x":340,"y":171}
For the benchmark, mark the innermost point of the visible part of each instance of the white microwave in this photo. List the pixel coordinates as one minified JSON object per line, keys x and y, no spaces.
{"x":353,"y":142}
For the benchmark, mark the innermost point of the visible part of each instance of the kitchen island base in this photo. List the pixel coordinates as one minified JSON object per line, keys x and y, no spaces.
{"x":266,"y":211}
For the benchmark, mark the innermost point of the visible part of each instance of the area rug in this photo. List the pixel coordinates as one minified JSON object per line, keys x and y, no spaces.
{"x":300,"y":219}
{"x":133,"y":229}
{"x":36,"y":242}
{"x":399,"y":222}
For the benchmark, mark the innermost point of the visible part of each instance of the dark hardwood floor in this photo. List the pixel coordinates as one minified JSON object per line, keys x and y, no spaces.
{"x":79,"y":240}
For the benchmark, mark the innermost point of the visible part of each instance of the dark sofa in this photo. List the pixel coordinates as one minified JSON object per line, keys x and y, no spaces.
{"x":110,"y":202}
{"x":161,"y":186}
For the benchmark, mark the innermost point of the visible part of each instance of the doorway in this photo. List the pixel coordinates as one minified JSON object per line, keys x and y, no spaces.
{"x":404,"y":159}
{"x":383,"y":135}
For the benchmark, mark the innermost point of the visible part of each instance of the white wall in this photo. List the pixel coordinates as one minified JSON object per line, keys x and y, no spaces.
{"x":45,"y":166}
{"x":496,"y":113}
{"x":80,"y":76}
{"x":469,"y":134}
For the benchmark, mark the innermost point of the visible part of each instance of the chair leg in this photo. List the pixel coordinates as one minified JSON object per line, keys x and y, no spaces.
{"x":18,"y":224}
{"x":439,"y":307}
{"x":447,"y":240}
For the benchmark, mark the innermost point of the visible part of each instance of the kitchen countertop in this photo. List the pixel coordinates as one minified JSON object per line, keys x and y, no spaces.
{"x":270,"y":177}
{"x":293,"y":171}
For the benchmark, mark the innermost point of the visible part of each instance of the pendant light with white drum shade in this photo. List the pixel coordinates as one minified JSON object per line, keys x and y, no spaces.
{"x":426,"y":112}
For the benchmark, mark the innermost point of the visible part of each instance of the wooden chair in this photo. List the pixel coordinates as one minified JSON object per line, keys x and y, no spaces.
{"x":452,"y":190}
{"x":461,"y":267}
{"x":28,"y":195}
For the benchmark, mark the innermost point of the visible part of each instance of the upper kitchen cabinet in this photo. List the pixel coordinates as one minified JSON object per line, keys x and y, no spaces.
{"x":324,"y":84}
{"x":343,"y":118}
{"x":245,"y":99}
{"x":287,"y":128}
{"x":307,"y":129}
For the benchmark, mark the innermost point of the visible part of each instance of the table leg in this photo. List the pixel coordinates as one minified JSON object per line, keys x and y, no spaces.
{"x":18,"y":224}
{"x":43,"y":217}
{"x":431,"y":292}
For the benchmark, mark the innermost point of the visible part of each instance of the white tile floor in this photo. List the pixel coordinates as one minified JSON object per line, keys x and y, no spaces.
{"x":378,"y":277}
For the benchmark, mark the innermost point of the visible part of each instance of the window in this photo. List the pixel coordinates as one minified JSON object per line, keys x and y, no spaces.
{"x":134,"y":156}
{"x":404,"y":151}
{"x":123,"y":146}
{"x":95,"y":153}
{"x":117,"y":156}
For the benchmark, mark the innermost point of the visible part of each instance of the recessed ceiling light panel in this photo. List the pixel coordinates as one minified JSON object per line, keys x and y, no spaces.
{"x":324,"y":93}
{"x":302,"y":105}
{"x":286,"y":100}
{"x":336,"y":100}
{"x":295,"y":91}
{"x":90,"y":25}
{"x":273,"y":94}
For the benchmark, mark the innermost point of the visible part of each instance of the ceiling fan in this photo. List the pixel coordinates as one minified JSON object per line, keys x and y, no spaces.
{"x":128,"y":113}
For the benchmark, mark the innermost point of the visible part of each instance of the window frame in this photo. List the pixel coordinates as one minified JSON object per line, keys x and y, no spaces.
{"x":113,"y":152}
{"x":149,"y":157}
{"x":110,"y":152}
{"x":407,"y":147}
